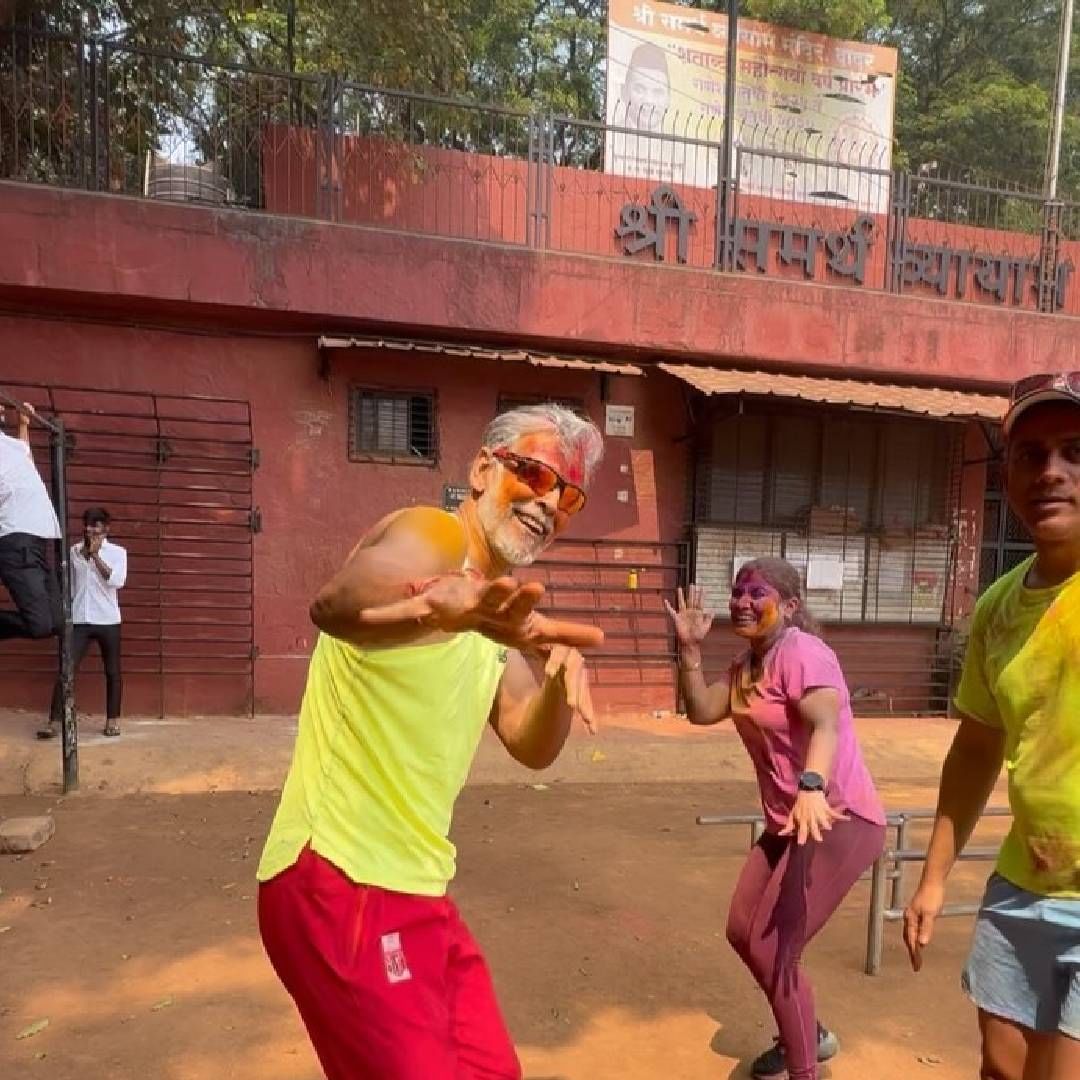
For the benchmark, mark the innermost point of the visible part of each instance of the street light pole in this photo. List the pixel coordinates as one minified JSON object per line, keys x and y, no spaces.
{"x":1053,"y":149}
{"x":726,"y":159}
{"x":1051,"y":230}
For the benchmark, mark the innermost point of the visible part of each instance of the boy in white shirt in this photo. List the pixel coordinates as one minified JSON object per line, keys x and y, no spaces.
{"x":98,"y":573}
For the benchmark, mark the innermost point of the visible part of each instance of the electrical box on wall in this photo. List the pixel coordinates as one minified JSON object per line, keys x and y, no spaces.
{"x":619,"y":420}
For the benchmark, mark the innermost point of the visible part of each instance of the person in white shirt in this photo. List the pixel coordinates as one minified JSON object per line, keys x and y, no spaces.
{"x":27,"y":525}
{"x":98,"y":573}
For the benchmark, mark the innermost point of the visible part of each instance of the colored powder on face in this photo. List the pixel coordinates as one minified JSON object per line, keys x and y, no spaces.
{"x":766,"y":605}
{"x":770,"y":615}
{"x":545,"y":447}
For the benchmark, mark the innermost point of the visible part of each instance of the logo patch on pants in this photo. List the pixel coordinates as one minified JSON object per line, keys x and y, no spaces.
{"x":397,"y":968}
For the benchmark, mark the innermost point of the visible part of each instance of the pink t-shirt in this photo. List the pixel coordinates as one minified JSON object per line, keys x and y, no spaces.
{"x":777,"y":739}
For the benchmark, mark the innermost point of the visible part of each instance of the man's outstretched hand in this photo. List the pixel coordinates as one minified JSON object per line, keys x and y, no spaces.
{"x":502,"y":610}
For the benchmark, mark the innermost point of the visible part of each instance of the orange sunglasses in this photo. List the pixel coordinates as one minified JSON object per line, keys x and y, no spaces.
{"x":542,"y":479}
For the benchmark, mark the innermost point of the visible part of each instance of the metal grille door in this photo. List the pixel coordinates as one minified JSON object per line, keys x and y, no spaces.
{"x":176,"y":474}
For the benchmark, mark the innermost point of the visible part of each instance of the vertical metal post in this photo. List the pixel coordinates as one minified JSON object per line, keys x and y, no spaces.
{"x":103,"y":139}
{"x":1053,"y":148}
{"x":547,"y":178}
{"x":69,"y":741}
{"x":899,"y":211}
{"x":1048,"y":251}
{"x":532,"y":180}
{"x":540,"y":178}
{"x":724,"y":187}
{"x":898,"y":867}
{"x":875,"y":932}
{"x":324,"y":148}
{"x":1048,"y":255}
{"x":92,"y":110}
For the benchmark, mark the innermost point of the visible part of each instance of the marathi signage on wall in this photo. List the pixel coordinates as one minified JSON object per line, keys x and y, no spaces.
{"x":795,"y":91}
{"x":766,"y":246}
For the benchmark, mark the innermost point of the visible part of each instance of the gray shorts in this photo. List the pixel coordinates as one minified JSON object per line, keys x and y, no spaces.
{"x":1025,"y":959}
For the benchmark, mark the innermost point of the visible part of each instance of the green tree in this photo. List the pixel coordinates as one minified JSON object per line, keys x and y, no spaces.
{"x":974,"y":92}
{"x":853,"y":19}
{"x":976,"y":85}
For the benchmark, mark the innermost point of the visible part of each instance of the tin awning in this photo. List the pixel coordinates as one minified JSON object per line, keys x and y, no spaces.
{"x":479,"y":352}
{"x":920,"y":401}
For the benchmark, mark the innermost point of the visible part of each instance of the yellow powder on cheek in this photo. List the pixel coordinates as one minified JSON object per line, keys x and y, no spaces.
{"x":770,"y":615}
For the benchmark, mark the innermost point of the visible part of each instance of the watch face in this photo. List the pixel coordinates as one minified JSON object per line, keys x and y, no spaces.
{"x":811,"y":781}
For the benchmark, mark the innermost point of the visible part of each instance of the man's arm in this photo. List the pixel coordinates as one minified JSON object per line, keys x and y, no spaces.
{"x":968,"y":776}
{"x":405,"y":583}
{"x":25,"y":412}
{"x":536,"y":704}
{"x":371,"y":600}
{"x":114,"y":572}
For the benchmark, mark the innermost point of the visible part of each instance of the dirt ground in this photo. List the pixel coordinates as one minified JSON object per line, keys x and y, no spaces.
{"x":599,"y":902}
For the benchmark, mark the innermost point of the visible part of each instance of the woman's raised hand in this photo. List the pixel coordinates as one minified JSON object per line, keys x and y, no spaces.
{"x":692,"y":622}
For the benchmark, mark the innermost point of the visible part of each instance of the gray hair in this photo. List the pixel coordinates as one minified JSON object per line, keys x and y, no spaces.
{"x":576,"y":435}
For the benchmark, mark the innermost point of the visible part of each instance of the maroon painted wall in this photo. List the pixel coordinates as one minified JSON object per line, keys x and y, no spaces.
{"x":314,"y":501}
{"x":130,"y":264}
{"x":105,"y":253}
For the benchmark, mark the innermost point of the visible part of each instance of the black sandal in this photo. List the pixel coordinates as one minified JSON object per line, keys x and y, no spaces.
{"x":49,"y":731}
{"x":112,"y":729}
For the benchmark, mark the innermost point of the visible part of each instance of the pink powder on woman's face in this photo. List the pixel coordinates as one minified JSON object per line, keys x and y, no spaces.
{"x":754,"y":606}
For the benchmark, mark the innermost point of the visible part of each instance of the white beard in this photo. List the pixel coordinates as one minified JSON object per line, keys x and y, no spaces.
{"x":508,"y":540}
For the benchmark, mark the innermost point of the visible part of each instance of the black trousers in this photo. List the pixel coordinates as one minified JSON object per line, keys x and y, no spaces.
{"x":108,"y":640}
{"x":25,"y":572}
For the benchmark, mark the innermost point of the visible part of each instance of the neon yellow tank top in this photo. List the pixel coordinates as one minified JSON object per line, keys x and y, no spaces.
{"x":385,"y":743}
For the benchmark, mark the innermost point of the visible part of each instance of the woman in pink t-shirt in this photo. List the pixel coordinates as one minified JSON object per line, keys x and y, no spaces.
{"x":824,"y":823}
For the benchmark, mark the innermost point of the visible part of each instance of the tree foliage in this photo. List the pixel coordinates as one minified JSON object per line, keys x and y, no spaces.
{"x":975,"y":87}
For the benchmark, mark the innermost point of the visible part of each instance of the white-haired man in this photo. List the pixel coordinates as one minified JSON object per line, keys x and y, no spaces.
{"x":424,"y":640}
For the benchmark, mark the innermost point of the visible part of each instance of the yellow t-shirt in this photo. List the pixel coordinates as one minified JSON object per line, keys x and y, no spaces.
{"x":384,"y":747}
{"x":1022,"y":674}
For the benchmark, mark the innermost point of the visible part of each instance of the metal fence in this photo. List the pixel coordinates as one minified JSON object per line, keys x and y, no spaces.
{"x":106,"y":116}
{"x":176,"y":474}
{"x":886,"y":876}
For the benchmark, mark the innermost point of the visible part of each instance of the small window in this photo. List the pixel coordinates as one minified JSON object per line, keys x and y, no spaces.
{"x":394,"y":427}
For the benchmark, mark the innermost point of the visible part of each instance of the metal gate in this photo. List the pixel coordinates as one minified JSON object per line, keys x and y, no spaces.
{"x":175,"y":473}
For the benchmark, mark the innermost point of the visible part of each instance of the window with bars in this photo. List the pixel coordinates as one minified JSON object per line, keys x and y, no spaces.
{"x":392,"y":426}
{"x":861,"y":505}
{"x":775,"y":468}
{"x":1005,"y":541}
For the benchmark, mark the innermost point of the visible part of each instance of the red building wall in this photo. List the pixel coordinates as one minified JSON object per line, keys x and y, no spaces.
{"x":314,"y":502}
{"x":125,"y":265}
{"x":374,"y":181}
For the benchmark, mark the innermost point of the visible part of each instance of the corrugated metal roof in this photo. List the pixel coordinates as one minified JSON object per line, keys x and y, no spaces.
{"x":477,"y":352}
{"x":912,"y":399}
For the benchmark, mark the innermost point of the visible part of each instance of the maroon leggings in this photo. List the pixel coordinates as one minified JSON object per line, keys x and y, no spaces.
{"x":784,"y":896}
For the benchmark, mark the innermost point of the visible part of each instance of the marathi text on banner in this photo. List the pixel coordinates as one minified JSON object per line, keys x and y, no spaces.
{"x":800,"y":93}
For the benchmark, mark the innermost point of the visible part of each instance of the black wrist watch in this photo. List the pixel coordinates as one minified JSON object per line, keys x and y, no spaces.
{"x":811,"y":781}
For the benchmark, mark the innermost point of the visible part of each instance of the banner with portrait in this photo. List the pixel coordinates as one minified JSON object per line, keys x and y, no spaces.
{"x":797,"y":94}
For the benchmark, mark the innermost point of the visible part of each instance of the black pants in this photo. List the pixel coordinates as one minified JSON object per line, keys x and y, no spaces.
{"x":108,"y":639}
{"x":24,"y":570}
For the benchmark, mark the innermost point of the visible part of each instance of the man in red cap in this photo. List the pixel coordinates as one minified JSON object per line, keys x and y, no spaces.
{"x":1019,"y":703}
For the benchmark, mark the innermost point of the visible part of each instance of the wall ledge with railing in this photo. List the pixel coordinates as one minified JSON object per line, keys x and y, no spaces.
{"x":102,"y":115}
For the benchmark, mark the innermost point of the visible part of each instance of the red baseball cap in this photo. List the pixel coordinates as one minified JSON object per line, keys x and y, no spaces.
{"x":1037,"y":389}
